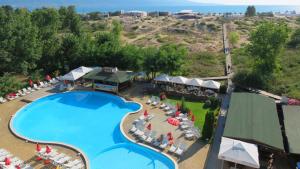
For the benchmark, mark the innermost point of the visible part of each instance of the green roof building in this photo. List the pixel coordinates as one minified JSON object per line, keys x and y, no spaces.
{"x":253,"y":118}
{"x":291,"y":116}
{"x":109,"y":79}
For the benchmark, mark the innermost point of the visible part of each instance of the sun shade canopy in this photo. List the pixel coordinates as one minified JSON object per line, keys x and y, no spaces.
{"x":239,"y":152}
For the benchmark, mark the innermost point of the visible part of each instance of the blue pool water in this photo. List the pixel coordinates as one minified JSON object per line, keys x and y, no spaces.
{"x":88,"y":121}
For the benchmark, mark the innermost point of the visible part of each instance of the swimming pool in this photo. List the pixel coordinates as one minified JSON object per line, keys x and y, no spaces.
{"x":90,"y":122}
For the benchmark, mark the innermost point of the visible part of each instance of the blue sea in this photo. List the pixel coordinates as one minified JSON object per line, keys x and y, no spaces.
{"x":201,"y":9}
{"x":85,"y":6}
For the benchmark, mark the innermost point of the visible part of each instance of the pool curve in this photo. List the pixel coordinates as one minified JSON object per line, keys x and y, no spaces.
{"x":83,"y":154}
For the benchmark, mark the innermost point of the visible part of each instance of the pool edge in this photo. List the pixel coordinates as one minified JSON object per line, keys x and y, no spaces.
{"x":135,"y":142}
{"x":12,"y":130}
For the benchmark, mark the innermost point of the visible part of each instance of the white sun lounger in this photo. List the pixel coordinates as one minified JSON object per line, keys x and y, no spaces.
{"x":30,"y":89}
{"x":62,"y":160}
{"x":2,"y":100}
{"x":170,"y":112}
{"x":180,"y":150}
{"x":145,"y":135}
{"x":57,"y":157}
{"x":133,"y":129}
{"x":21,"y":93}
{"x":42,"y":85}
{"x":156,"y":143}
{"x":156,"y":102}
{"x":163,"y":105}
{"x":139,"y":133}
{"x":71,"y":164}
{"x":27,"y":166}
{"x":7,"y":155}
{"x":35,"y":86}
{"x":149,"y":101}
{"x":78,"y":166}
{"x":25,"y":91}
{"x":173,"y":148}
{"x":164,"y":144}
{"x":151,"y":137}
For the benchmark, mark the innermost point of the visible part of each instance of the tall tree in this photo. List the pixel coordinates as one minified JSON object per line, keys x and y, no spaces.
{"x":208,"y":126}
{"x":251,"y":11}
{"x":266,"y":44}
{"x":170,"y":58}
{"x":151,"y":65}
{"x":19,"y":41}
{"x":70,"y":19}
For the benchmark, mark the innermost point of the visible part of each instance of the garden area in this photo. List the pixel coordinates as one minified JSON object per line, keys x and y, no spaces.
{"x":198,"y":109}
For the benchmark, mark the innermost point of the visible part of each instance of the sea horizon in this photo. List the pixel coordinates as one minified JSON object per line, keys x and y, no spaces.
{"x":212,"y":8}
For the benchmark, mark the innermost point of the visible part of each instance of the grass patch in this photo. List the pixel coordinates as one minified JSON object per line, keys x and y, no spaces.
{"x":204,"y":64}
{"x":196,"y":107}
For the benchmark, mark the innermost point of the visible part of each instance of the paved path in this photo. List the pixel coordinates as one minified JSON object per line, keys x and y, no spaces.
{"x":212,"y":161}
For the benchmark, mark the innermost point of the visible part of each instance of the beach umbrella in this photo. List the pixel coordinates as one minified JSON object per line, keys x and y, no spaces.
{"x":7,"y":161}
{"x":48,"y":149}
{"x":48,"y":77}
{"x":38,"y":147}
{"x":146,"y":113}
{"x":149,"y":126}
{"x":177,"y":113}
{"x":30,"y":83}
{"x":193,"y":118}
{"x":18,"y":167}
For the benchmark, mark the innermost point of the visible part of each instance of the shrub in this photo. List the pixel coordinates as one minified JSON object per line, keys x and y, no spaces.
{"x":208,"y":126}
{"x":223,"y":89}
{"x":183,"y":107}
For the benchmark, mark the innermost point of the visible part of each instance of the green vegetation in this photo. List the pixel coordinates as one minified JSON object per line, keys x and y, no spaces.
{"x":9,"y":83}
{"x":251,"y":11}
{"x":50,"y":40}
{"x":234,"y":38}
{"x":208,"y":126}
{"x":264,"y":52}
{"x":198,"y":109}
{"x":204,"y":64}
{"x":295,"y":39}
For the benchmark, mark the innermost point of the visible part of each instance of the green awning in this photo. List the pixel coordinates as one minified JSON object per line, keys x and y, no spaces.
{"x":253,"y":118}
{"x":112,"y":77}
{"x":291,"y":116}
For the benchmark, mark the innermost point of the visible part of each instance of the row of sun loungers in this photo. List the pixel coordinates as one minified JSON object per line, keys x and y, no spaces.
{"x":28,"y":90}
{"x":154,"y":101}
{"x":14,"y":162}
{"x":149,"y":137}
{"x":60,"y":159}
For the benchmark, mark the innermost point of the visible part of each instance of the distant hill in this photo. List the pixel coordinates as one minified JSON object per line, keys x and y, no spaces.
{"x":98,"y":3}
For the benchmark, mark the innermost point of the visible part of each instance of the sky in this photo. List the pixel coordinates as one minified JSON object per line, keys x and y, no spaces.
{"x":251,"y":2}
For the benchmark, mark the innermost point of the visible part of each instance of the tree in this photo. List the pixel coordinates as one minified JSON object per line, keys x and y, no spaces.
{"x":70,"y":19}
{"x":208,"y":126}
{"x":19,"y":45}
{"x":251,"y":11}
{"x":266,"y":44}
{"x":150,"y":64}
{"x":170,"y":58}
{"x":295,"y":39}
{"x":234,"y":37}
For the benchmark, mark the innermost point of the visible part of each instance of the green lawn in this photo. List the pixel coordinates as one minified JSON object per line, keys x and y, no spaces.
{"x":196,"y":107}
